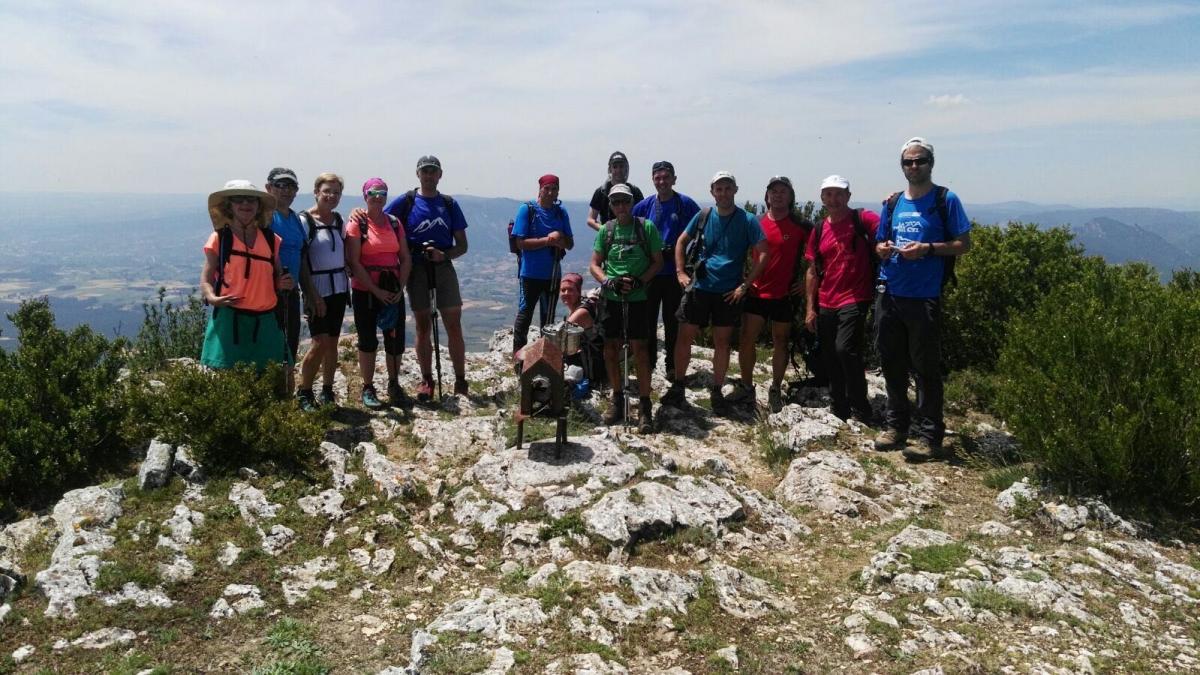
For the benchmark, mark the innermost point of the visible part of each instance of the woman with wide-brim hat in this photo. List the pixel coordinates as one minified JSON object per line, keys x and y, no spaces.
{"x":240,"y":278}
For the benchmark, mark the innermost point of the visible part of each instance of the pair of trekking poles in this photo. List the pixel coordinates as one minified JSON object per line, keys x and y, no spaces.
{"x":431,"y":282}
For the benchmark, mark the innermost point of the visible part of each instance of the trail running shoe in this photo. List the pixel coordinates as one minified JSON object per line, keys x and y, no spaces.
{"x":891,"y":439}
{"x":370,"y":399}
{"x":775,"y":399}
{"x":326,"y":397}
{"x":396,"y":395}
{"x":305,"y":398}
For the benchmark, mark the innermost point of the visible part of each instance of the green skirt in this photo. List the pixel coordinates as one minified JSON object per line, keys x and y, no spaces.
{"x":234,"y":337}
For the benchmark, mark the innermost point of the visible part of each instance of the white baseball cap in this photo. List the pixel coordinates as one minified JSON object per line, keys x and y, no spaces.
{"x":918,"y":141}
{"x":722,"y":175}
{"x":620,"y":189}
{"x":835,"y":181}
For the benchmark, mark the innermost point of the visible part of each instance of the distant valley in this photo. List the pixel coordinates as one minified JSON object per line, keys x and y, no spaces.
{"x":100,"y":256}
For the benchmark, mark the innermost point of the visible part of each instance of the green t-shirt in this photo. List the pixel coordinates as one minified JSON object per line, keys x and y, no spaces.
{"x":627,"y":257}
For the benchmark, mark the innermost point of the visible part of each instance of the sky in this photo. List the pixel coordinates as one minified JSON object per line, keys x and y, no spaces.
{"x":1056,"y":102}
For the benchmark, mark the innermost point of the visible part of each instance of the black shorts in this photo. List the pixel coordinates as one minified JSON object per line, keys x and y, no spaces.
{"x":335,"y":312}
{"x":613,"y":316}
{"x":699,"y":308}
{"x":778,"y":310}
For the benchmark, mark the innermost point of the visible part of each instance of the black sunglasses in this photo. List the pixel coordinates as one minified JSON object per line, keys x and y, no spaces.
{"x":285,"y":185}
{"x":920,"y":161}
{"x":243,"y":199}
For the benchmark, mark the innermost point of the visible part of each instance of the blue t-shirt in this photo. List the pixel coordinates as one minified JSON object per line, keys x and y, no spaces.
{"x":727,"y":240}
{"x":670,"y":217}
{"x":918,"y":221}
{"x":293,"y":235}
{"x":429,"y":220}
{"x":539,"y":264}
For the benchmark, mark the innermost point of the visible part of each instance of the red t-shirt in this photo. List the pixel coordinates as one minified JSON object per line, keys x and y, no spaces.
{"x":785,"y":239}
{"x":847,"y":261}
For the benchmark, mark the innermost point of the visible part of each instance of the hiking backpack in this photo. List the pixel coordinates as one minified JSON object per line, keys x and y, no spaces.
{"x":943,"y":212}
{"x":639,"y":235}
{"x":313,"y":227}
{"x":695,"y":246}
{"x":860,"y":233}
{"x":512,"y":239}
{"x":225,"y":250}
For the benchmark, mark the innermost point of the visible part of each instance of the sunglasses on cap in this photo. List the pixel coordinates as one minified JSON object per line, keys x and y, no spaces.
{"x":376,"y":193}
{"x":243,"y":199}
{"x":920,"y":161}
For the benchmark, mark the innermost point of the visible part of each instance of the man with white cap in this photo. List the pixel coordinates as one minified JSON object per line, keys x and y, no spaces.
{"x":840,"y":283}
{"x":626,"y":255}
{"x":711,"y":273}
{"x":921,"y":230}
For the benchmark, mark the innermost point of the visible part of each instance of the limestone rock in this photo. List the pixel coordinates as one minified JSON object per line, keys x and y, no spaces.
{"x":155,"y":469}
{"x":131,"y":592}
{"x":335,"y":457}
{"x":782,"y":524}
{"x":326,"y":503}
{"x":188,"y":468}
{"x":584,"y":664}
{"x":179,"y":528}
{"x":456,"y":440}
{"x":471,"y":509}
{"x":653,"y":589}
{"x":514,"y":475}
{"x":305,"y":577}
{"x":15,"y":537}
{"x":650,"y":509}
{"x":993,"y":528}
{"x":491,"y":614}
{"x":795,"y":426}
{"x":104,"y":638}
{"x":22,"y":653}
{"x":83,"y":517}
{"x":395,"y":481}
{"x":743,"y":595}
{"x":1062,"y":517}
{"x":827,"y":482}
{"x":252,"y":503}
{"x":918,"y":537}
{"x":277,"y":540}
{"x":237,"y":599}
{"x":729,"y":655}
{"x":1007,"y":500}
{"x":229,"y":554}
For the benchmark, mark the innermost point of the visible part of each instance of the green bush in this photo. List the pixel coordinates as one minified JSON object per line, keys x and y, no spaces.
{"x":1008,"y":270}
{"x":169,"y":331}
{"x":229,"y":418}
{"x":1099,"y":383}
{"x":61,"y":407}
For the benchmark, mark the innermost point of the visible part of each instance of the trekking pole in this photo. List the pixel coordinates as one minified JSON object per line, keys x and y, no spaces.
{"x":431,"y":281}
{"x":552,"y":301}
{"x":625,"y":356}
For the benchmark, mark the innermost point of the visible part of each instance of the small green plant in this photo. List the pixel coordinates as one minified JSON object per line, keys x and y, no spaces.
{"x":1002,"y":478}
{"x":230,"y":418}
{"x":939,"y":558}
{"x":169,"y":331}
{"x":776,"y":455}
{"x":995,"y":601}
{"x":295,"y":642}
{"x":572,"y":523}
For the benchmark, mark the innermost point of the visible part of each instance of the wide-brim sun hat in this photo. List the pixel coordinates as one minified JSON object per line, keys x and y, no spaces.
{"x":237,"y":188}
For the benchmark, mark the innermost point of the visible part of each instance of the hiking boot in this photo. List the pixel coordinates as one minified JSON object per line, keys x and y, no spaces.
{"x":326,"y":397}
{"x":741,"y":391}
{"x":645,"y":416}
{"x":425,"y":390}
{"x":616,"y":411}
{"x":673,"y":396}
{"x":396,"y":395}
{"x":460,"y":387}
{"x":370,"y":399}
{"x":305,"y":398}
{"x":720,"y":406}
{"x":923,"y":450}
{"x":891,"y":439}
{"x":775,"y":399}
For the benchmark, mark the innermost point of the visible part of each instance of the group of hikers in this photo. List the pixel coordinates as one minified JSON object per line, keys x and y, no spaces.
{"x":720,"y":266}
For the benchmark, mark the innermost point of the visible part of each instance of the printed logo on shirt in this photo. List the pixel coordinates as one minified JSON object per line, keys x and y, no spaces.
{"x":427,"y":225}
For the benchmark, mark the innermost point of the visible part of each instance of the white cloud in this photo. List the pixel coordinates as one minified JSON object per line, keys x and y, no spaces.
{"x":947,"y":100}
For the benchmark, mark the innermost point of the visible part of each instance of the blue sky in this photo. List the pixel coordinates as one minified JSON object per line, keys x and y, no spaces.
{"x":1086,"y":103}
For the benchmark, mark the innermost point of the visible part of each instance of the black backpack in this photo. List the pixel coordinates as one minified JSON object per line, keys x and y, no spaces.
{"x":695,"y":246}
{"x":225,"y":250}
{"x":860,"y":233}
{"x":943,"y":212}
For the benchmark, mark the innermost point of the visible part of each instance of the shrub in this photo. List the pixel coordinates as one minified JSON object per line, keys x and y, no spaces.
{"x":1008,"y":270}
{"x":61,"y":406}
{"x":1099,"y":383}
{"x":169,"y":331}
{"x":230,"y":418}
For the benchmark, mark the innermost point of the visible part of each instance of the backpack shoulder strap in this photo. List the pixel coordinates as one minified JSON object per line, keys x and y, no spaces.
{"x":891,"y":203}
{"x":270,"y":236}
{"x":639,"y":233}
{"x":395,"y":222}
{"x":339,"y":223}
{"x":406,"y":206}
{"x":447,"y":200}
{"x":943,"y":211}
{"x":818,"y":261}
{"x":224,"y":249}
{"x":310,"y":224}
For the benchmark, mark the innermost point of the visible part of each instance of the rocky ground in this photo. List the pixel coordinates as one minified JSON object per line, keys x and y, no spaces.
{"x":755,"y":543}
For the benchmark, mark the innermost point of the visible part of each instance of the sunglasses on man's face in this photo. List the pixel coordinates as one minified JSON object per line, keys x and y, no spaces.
{"x":285,"y":185}
{"x":920,"y":161}
{"x":243,"y":200}
{"x":376,"y":193}
{"x":618,"y":201}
